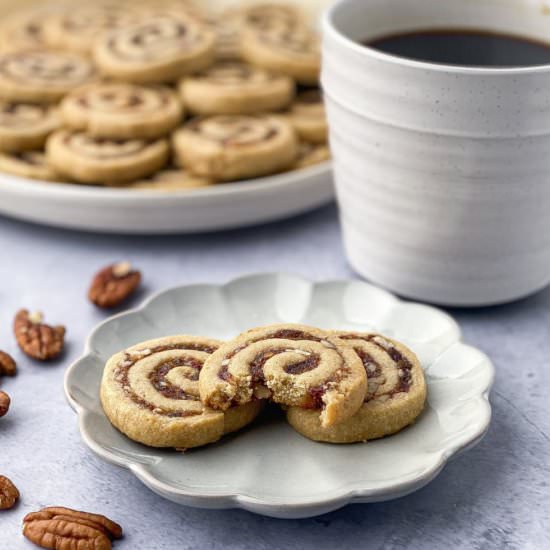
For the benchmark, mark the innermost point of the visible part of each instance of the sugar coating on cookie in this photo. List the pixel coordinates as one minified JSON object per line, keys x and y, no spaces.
{"x":150,"y":393}
{"x":175,"y":179}
{"x":42,"y":76}
{"x":28,"y":164}
{"x":25,"y":126}
{"x":395,"y":396}
{"x":307,"y":116}
{"x":231,"y":147}
{"x":122,"y":111}
{"x":160,"y":49}
{"x":294,"y":365}
{"x":87,"y":159}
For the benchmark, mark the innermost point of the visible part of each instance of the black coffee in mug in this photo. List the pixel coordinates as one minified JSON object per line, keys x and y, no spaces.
{"x":470,"y":48}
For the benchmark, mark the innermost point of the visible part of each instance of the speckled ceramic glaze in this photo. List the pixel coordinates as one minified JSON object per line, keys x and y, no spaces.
{"x":268,"y":468}
{"x":442,"y":172}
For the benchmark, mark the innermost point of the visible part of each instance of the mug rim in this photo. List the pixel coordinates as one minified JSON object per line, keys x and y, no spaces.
{"x":365,"y":50}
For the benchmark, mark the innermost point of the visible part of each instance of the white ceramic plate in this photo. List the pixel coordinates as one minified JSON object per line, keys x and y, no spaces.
{"x":268,"y":468}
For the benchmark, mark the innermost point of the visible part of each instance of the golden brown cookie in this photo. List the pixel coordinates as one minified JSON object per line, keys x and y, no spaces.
{"x":86,"y":159}
{"x":175,"y":179}
{"x":30,"y":164}
{"x":161,"y":49}
{"x":23,"y":30}
{"x":395,"y":396}
{"x":232,"y":87}
{"x":235,"y":146}
{"x":25,"y":126}
{"x":310,"y":155}
{"x":42,"y":76}
{"x":307,"y":116}
{"x":294,"y":365}
{"x":122,"y":111}
{"x":150,"y":393}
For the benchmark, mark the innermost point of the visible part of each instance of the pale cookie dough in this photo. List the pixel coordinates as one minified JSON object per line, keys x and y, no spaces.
{"x":175,"y":179}
{"x":272,"y":15}
{"x":30,"y":164}
{"x":23,"y":30}
{"x":161,"y":49}
{"x":307,"y":116}
{"x":25,"y":126}
{"x":396,"y":393}
{"x":310,"y":155}
{"x":42,"y":76}
{"x":150,"y":393}
{"x":98,"y":160}
{"x":122,"y":111}
{"x":232,"y":87}
{"x":235,"y":147}
{"x":294,"y":365}
{"x":293,"y":52}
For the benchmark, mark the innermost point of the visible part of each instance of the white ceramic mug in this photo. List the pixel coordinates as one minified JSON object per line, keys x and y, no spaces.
{"x":442,"y":172}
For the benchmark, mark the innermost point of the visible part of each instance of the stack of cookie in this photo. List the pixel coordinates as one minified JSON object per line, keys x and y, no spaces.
{"x":337,"y":387}
{"x":159,"y":95}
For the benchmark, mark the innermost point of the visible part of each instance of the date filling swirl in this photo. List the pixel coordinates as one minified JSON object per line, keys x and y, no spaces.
{"x":23,"y":115}
{"x":234,"y":131}
{"x":292,"y":365}
{"x":102,"y":148}
{"x":233,"y":73}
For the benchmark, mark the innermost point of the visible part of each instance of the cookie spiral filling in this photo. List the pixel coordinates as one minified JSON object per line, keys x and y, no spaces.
{"x":234,"y":131}
{"x":233,"y":73}
{"x":23,"y":115}
{"x":272,"y":16}
{"x":100,"y":148}
{"x":293,"y":365}
{"x":292,"y":41}
{"x":22,"y":31}
{"x":120,"y":98}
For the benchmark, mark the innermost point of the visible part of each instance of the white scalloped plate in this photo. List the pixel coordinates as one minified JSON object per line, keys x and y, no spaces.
{"x":268,"y":468}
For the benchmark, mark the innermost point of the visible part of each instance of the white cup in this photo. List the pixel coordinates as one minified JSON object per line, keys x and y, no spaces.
{"x":442,"y":172}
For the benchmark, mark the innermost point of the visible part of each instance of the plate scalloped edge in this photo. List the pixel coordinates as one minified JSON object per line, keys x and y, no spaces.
{"x":388,"y":314}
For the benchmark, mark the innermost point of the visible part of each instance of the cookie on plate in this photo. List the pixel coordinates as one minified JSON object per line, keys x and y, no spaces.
{"x":235,"y":147}
{"x":294,"y":52}
{"x":150,"y":393}
{"x":86,"y":159}
{"x":25,"y":126}
{"x":232,"y":87}
{"x":307,"y":116}
{"x":30,"y":164}
{"x":160,"y":49}
{"x":23,"y":30}
{"x":42,"y":76}
{"x":272,"y":15}
{"x":175,"y":179}
{"x":395,"y":396}
{"x":294,"y":365}
{"x":310,"y":155}
{"x":122,"y":111}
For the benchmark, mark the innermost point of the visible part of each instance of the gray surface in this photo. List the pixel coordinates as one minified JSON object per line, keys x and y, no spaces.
{"x":495,"y":496}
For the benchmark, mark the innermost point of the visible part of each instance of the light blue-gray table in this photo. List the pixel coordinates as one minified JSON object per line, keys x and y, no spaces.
{"x":496,"y":496}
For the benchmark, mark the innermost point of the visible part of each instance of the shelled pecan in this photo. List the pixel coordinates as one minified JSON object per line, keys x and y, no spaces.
{"x":4,"y":403}
{"x":8,"y":493}
{"x":114,"y":284}
{"x":35,"y":338}
{"x":8,"y":367}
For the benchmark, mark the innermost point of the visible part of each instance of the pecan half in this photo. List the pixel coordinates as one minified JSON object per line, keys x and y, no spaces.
{"x":114,"y":284}
{"x":59,"y":528}
{"x":4,"y":403}
{"x":8,"y":493}
{"x":8,"y":366}
{"x":36,"y":339}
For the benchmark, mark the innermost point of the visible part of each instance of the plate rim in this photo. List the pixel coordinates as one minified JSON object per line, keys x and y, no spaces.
{"x":275,"y":506}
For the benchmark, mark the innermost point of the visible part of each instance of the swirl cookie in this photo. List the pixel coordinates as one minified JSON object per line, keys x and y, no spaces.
{"x":172,"y":180}
{"x":150,"y":393}
{"x":235,"y":147}
{"x":269,"y":15}
{"x":395,"y":396}
{"x":231,"y":87}
{"x":294,"y":365}
{"x":309,"y":155}
{"x":161,"y":49}
{"x":122,"y":111}
{"x":98,"y":160}
{"x":25,"y":126}
{"x":294,"y":52}
{"x":307,"y":116}
{"x":42,"y":76}
{"x":30,"y":164}
{"x":23,"y":31}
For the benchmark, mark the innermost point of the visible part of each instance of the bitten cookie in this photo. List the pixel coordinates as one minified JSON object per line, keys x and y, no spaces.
{"x":294,"y":52}
{"x":172,"y":180}
{"x":25,"y":126}
{"x":42,"y":76}
{"x":307,"y":116}
{"x":98,"y":160}
{"x":294,"y":365}
{"x":122,"y":111}
{"x":30,"y":164}
{"x":395,"y":396}
{"x":232,"y":87}
{"x":161,"y":49}
{"x":235,"y":147}
{"x":150,"y":393}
